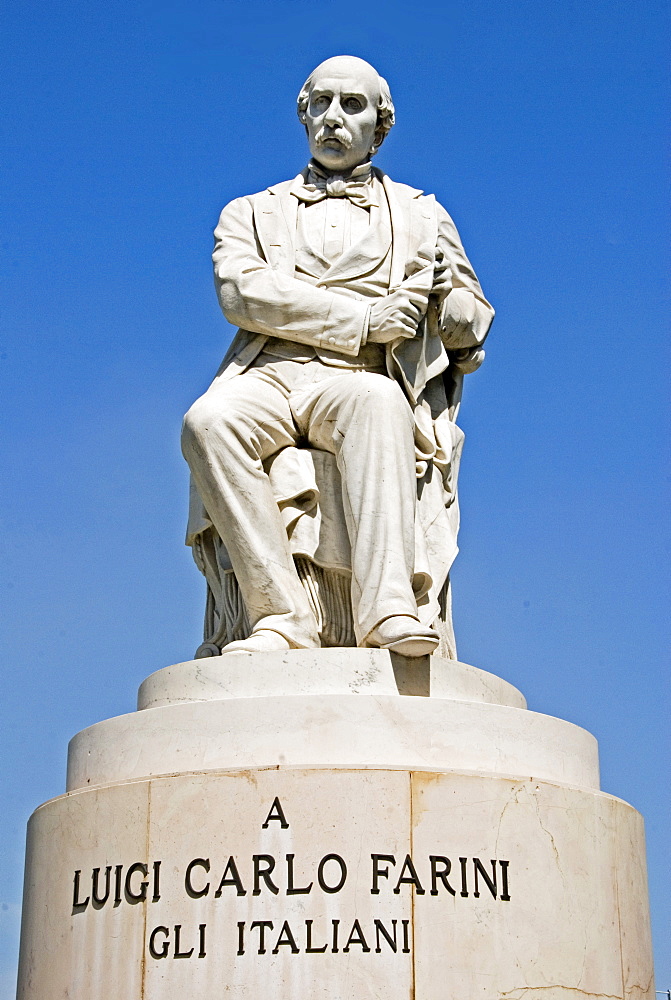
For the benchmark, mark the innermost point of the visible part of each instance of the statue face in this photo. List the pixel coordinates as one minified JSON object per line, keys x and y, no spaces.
{"x":341,"y":116}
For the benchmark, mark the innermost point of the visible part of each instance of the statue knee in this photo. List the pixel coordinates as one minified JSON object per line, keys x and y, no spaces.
{"x":381,"y":394}
{"x":195,"y":424}
{"x":214,"y":423}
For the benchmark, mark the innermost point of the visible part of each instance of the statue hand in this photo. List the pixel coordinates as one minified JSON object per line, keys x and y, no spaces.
{"x":466,"y":360}
{"x":457,"y":316}
{"x":442,"y":280}
{"x":396,"y":315}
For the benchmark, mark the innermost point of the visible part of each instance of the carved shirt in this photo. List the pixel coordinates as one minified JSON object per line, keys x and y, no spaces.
{"x":340,"y":243}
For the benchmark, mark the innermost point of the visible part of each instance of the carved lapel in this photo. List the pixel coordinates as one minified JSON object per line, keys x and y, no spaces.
{"x":275,"y":213}
{"x":275,"y":221}
{"x":413,"y":224}
{"x":399,"y":198}
{"x":364,"y":255}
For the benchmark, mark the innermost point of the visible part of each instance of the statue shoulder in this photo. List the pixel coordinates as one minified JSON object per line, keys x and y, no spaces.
{"x":245,"y":205}
{"x":273,"y":189}
{"x":407,"y":192}
{"x":413,"y":199}
{"x":401,"y":190}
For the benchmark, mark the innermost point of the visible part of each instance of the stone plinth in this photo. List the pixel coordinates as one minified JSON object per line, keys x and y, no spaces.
{"x":294,"y":827}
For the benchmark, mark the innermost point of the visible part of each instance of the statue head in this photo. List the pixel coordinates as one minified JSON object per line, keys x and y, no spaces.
{"x":347,"y":111}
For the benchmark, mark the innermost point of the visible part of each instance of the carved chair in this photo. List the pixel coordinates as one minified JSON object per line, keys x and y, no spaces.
{"x":307,"y":488}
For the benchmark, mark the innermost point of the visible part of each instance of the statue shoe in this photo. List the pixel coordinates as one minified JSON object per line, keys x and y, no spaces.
{"x":403,"y":635}
{"x":262,"y":641}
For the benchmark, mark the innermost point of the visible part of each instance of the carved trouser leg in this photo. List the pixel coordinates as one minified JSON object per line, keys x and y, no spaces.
{"x":227,"y":434}
{"x":365,"y":421}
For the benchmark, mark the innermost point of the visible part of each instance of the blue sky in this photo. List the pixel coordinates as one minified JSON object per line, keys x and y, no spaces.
{"x":540,"y":127}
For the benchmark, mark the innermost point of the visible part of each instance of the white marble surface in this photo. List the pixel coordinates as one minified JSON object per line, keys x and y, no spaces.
{"x":331,"y":731}
{"x":322,"y":672}
{"x":573,"y":899}
{"x":575,"y":925}
{"x":354,"y":294}
{"x":63,"y":956}
{"x":633,"y":905}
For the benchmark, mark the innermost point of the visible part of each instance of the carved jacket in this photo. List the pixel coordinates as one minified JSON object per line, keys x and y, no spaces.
{"x":254,"y":272}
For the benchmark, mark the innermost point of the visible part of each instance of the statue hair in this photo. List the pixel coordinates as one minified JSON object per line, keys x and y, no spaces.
{"x":385,"y":110}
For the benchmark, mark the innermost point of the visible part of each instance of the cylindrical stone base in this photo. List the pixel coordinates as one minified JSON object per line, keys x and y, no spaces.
{"x":333,"y":882}
{"x":340,"y":885}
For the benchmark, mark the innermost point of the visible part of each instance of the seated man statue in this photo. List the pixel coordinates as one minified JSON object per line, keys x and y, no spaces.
{"x":355,"y":301}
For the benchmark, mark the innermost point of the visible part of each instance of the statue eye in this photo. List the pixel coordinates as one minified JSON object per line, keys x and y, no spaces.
{"x":353,"y":104}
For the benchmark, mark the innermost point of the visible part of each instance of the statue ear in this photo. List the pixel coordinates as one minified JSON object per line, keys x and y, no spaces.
{"x":378,"y":139}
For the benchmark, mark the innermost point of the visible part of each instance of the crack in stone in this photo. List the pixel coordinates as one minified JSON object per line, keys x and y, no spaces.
{"x":644,"y":990}
{"x":516,"y":791}
{"x":548,"y":834}
{"x":523,"y":990}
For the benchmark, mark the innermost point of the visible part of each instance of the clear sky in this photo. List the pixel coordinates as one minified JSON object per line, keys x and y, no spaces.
{"x":540,"y":127}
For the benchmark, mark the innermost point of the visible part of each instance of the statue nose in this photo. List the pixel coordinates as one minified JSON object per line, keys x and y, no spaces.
{"x":334,"y":114}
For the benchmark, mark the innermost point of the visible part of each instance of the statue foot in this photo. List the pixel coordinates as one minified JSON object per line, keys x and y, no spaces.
{"x":403,"y":635}
{"x":262,"y":641}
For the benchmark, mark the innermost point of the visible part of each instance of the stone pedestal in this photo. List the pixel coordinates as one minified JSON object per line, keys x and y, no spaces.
{"x":336,"y":824}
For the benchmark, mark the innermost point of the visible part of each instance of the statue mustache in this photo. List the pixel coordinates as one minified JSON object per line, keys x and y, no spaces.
{"x":341,"y":134}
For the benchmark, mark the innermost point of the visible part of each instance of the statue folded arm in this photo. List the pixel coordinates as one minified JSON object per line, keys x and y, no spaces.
{"x":465,"y":314}
{"x":258,"y":297}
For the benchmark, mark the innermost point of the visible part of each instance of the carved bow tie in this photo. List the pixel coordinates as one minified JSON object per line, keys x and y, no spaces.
{"x":356,"y":186}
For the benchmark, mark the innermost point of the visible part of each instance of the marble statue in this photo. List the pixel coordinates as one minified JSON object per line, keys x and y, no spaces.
{"x":324,"y":456}
{"x":377,"y":811}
